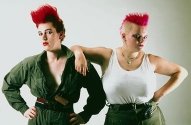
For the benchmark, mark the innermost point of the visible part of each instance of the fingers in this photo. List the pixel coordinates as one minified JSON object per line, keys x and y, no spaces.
{"x":78,"y":69}
{"x":75,"y":119}
{"x":82,"y":70}
{"x":30,"y":113}
{"x":81,"y":65}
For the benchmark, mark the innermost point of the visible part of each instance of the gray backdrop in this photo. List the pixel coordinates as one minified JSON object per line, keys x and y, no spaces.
{"x":96,"y":23}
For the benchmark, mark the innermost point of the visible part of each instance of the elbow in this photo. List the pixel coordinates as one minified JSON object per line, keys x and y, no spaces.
{"x":103,"y":101}
{"x":4,"y":88}
{"x":183,"y":72}
{"x":100,"y":106}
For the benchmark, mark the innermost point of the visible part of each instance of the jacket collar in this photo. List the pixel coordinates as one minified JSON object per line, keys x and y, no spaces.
{"x":68,"y":52}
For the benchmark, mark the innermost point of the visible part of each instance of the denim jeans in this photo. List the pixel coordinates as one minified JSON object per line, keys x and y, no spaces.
{"x":116,"y":116}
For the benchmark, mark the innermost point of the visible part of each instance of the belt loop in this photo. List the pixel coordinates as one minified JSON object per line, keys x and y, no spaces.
{"x":107,"y":103}
{"x":134,"y":106}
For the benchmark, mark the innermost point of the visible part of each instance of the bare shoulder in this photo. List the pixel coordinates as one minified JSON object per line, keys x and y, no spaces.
{"x":107,"y":52}
{"x":154,"y":59}
{"x":163,"y":65}
{"x":158,"y":60}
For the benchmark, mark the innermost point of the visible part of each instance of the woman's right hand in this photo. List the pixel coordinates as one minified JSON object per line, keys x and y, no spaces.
{"x":81,"y":63}
{"x":30,"y":113}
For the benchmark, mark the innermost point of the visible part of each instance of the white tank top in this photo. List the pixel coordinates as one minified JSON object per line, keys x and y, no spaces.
{"x":122,"y":86}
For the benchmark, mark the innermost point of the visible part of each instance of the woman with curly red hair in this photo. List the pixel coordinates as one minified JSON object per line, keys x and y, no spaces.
{"x":52,"y":78}
{"x":129,"y":75}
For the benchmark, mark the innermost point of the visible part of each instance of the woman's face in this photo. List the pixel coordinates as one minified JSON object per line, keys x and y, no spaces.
{"x":135,"y":37}
{"x":49,"y":37}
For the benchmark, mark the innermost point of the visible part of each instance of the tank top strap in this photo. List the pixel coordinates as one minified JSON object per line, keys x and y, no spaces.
{"x":146,"y":63}
{"x":110,"y":63}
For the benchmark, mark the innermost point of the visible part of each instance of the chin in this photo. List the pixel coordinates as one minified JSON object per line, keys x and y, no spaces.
{"x":140,"y":48}
{"x":45,"y":48}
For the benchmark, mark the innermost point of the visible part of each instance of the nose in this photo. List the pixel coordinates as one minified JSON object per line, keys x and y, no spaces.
{"x":44,"y":36}
{"x":141,"y":39}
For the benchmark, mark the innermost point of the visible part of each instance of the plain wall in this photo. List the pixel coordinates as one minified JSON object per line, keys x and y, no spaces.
{"x":96,"y":23}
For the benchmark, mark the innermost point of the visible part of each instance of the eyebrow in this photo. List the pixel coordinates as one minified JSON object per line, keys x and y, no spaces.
{"x":140,"y":34}
{"x":46,"y":30}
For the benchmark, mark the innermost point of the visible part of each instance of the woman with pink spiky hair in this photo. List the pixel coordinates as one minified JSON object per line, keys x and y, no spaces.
{"x":129,"y":75}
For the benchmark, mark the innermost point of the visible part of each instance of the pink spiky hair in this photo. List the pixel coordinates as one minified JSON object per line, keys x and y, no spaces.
{"x":137,"y":18}
{"x":44,"y":11}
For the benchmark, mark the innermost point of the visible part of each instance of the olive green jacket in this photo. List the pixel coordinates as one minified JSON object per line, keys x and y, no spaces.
{"x":29,"y":72}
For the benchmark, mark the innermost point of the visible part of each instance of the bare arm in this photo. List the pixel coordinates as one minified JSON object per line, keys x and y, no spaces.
{"x":176,"y":72}
{"x":98,"y":55}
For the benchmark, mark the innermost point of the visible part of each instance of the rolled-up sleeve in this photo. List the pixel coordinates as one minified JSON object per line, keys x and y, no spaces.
{"x":12,"y":83}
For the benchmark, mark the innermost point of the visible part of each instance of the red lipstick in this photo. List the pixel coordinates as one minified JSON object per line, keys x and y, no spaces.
{"x":45,"y":43}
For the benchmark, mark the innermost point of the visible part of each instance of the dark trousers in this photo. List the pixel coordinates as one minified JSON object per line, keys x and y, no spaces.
{"x":118,"y":116}
{"x":50,"y":117}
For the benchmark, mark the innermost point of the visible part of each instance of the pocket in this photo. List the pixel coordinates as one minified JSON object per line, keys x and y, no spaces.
{"x":147,"y":112}
{"x":157,"y":118}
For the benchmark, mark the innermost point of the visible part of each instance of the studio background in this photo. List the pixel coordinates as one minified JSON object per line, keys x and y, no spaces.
{"x":96,"y":23}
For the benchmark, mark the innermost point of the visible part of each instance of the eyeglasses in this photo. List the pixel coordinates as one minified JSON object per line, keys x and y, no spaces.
{"x":139,"y":38}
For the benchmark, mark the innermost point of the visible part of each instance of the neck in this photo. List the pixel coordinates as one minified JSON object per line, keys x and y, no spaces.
{"x":129,"y":54}
{"x":54,"y":56}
